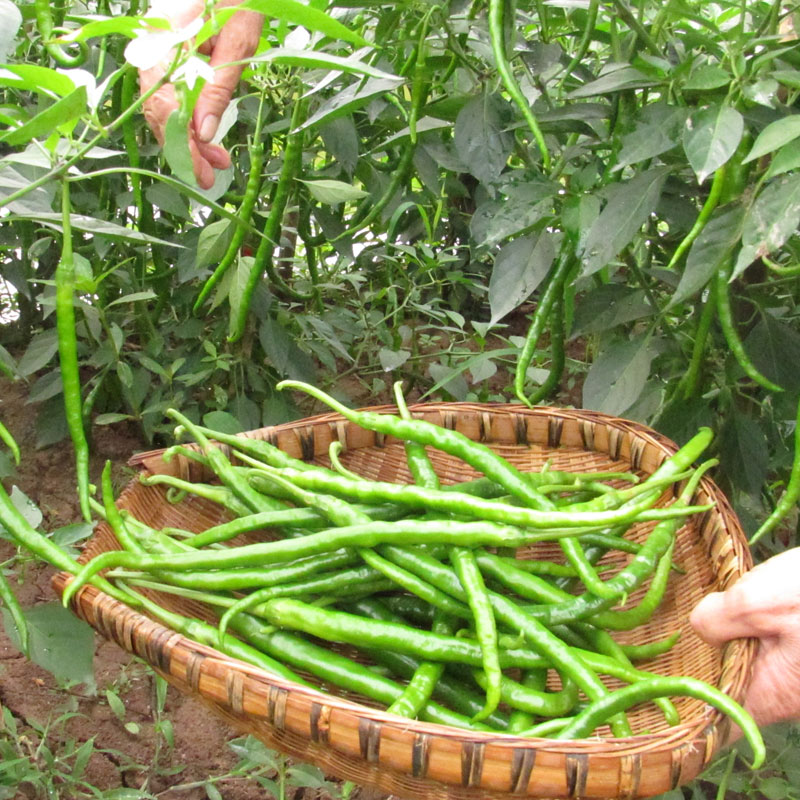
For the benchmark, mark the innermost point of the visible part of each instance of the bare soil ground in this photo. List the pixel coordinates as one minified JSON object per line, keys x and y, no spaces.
{"x":32,"y":696}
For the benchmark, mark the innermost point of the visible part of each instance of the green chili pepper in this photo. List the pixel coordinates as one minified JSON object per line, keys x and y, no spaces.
{"x":263,"y":260}
{"x":9,"y":600}
{"x":552,"y":290}
{"x":726,"y":321}
{"x":68,"y":353}
{"x":598,"y":711}
{"x":47,"y":29}
{"x":8,"y":440}
{"x":790,"y":497}
{"x":497,"y":38}
{"x":586,"y":40}
{"x":251,"y":195}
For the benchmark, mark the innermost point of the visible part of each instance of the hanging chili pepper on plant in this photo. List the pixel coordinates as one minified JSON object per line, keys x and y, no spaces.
{"x":47,"y":30}
{"x":68,"y":354}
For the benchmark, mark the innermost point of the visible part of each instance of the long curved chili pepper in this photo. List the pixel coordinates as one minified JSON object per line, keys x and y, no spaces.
{"x":706,"y":211}
{"x":598,"y":711}
{"x":726,"y":321}
{"x":10,"y":442}
{"x":248,"y":204}
{"x":554,"y":287}
{"x":11,"y":603}
{"x":497,"y":38}
{"x":44,"y":22}
{"x":558,"y":356}
{"x":586,"y":40}
{"x":790,"y":497}
{"x":68,"y":353}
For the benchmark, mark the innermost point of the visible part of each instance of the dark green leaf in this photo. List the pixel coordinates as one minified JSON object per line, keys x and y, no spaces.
{"x":706,"y":78}
{"x":773,"y":346}
{"x":744,"y":452}
{"x":284,"y":355}
{"x":348,"y":100}
{"x":770,"y":221}
{"x":222,"y":421}
{"x":40,"y":351}
{"x":711,"y":137}
{"x":608,"y":306}
{"x":787,"y":159}
{"x":341,"y":140}
{"x":631,"y":204}
{"x":61,"y":643}
{"x":481,"y":139}
{"x":617,"y":377}
{"x":51,"y":422}
{"x":213,"y":242}
{"x":518,"y":208}
{"x":657,"y":130}
{"x":712,"y":246}
{"x":519,"y":268}
{"x":615,"y":80}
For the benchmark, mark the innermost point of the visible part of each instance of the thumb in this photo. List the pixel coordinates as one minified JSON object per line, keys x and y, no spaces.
{"x":717,"y":620}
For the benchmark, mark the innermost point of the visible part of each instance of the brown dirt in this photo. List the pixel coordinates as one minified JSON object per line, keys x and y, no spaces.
{"x":32,"y":696}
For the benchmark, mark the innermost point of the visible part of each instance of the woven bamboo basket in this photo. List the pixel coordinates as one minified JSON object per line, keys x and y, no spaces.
{"x":350,"y":739}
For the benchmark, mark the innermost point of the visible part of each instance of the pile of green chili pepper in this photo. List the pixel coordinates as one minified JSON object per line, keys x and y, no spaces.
{"x":421,"y":577}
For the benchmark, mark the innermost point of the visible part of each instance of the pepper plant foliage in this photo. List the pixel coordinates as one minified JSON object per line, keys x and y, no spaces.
{"x":392,"y":212}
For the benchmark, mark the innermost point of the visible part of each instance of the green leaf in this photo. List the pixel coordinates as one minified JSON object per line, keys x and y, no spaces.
{"x":32,"y":78}
{"x":617,"y":377}
{"x":450,"y":380}
{"x":744,"y":452}
{"x":282,"y":351}
{"x":392,"y":359}
{"x":333,"y":192}
{"x":110,"y":418}
{"x":176,"y":149}
{"x":26,"y":507}
{"x":617,"y":78}
{"x":774,"y":136}
{"x":96,"y":226}
{"x":657,"y":130}
{"x":515,"y":209}
{"x":481,"y":139}
{"x":81,"y":760}
{"x":134,"y":297}
{"x":106,"y":26}
{"x":707,"y":78}
{"x":711,"y":137}
{"x":61,"y":117}
{"x":712,"y":246}
{"x":630,"y":206}
{"x":608,"y":306}
{"x":213,"y":242}
{"x":773,"y":346}
{"x":43,"y":346}
{"x":61,"y":643}
{"x":312,"y":59}
{"x":222,"y":421}
{"x":348,"y":100}
{"x":115,"y":704}
{"x":787,"y":159}
{"x":770,"y":221}
{"x":519,"y":268}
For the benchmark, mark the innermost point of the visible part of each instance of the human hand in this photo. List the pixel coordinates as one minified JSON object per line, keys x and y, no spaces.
{"x":765,"y":604}
{"x":237,"y":40}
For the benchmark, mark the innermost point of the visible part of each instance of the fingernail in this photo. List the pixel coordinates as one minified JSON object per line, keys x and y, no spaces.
{"x":208,"y":127}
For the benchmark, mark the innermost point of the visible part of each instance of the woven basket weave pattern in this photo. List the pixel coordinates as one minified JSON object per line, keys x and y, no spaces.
{"x":349,"y":738}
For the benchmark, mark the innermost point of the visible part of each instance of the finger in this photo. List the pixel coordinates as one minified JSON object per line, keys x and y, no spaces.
{"x":237,"y":40}
{"x":203,"y":170}
{"x":158,"y":108}
{"x":216,"y":155}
